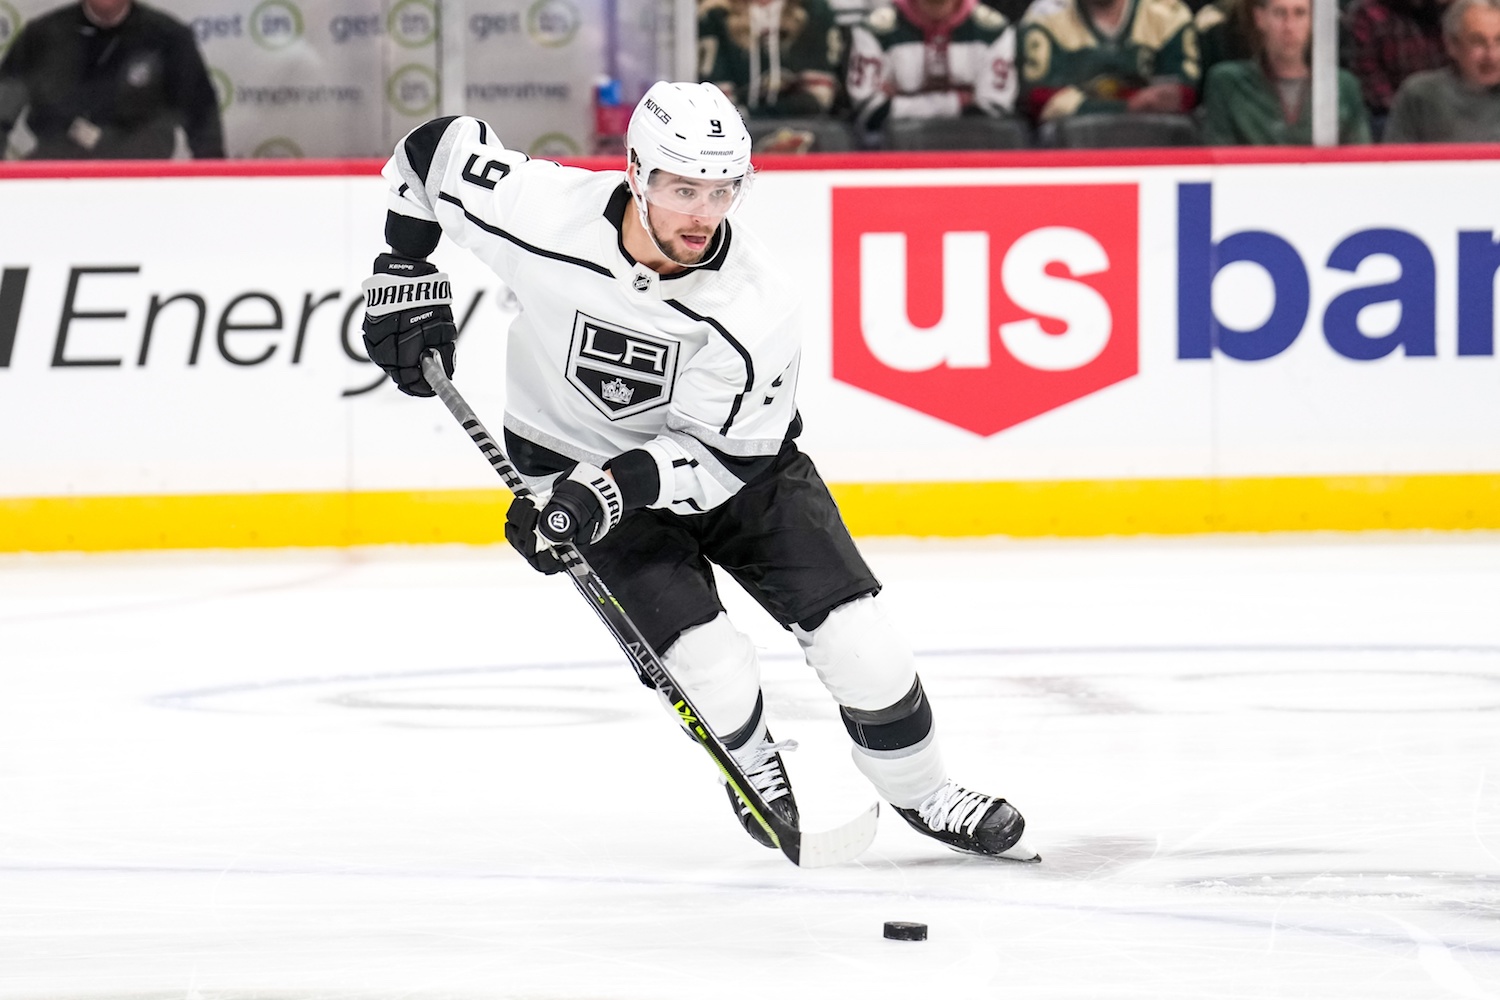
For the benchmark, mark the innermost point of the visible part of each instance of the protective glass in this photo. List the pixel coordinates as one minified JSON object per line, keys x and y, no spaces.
{"x":700,"y":197}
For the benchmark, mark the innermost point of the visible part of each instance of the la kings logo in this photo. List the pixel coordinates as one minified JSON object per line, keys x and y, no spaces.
{"x":622,"y":372}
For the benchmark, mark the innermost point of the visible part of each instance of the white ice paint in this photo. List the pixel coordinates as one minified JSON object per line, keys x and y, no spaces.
{"x":1255,"y":768}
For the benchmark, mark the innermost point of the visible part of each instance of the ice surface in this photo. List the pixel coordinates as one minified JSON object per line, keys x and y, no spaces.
{"x":1255,"y":767}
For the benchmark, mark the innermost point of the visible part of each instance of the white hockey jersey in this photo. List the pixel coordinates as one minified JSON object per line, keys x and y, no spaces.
{"x":903,"y":66}
{"x":699,"y":369}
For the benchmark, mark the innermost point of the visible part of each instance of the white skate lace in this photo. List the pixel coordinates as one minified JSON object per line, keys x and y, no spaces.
{"x":763,"y":770}
{"x":954,"y":808}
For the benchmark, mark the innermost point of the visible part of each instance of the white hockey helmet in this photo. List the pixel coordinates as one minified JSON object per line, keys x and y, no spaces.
{"x":693,"y":131}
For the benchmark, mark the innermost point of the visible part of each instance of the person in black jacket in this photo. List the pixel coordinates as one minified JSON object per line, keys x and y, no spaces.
{"x":109,"y":79}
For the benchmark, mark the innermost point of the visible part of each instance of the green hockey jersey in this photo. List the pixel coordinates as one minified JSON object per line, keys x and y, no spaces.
{"x":1070,"y":66}
{"x":775,"y":58}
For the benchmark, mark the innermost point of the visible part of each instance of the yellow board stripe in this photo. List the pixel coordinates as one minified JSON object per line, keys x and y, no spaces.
{"x":1173,"y":506}
{"x":1020,"y":509}
{"x":250,"y":520}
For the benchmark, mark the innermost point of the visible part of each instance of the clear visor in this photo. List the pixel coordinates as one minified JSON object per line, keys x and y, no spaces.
{"x":697,"y":196}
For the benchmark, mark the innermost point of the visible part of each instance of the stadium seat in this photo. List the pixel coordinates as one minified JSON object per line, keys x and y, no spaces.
{"x":800,"y":135}
{"x":1122,"y":131}
{"x":956,"y":133}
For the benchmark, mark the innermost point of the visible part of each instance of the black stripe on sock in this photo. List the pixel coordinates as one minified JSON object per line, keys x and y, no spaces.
{"x":741,"y":736}
{"x":904,"y":724}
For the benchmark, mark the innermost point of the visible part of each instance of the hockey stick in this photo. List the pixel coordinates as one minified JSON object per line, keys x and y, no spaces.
{"x":808,"y":850}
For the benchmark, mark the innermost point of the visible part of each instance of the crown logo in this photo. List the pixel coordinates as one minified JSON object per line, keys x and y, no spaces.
{"x":616,"y":391}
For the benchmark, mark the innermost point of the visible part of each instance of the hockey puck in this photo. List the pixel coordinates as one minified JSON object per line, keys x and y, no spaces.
{"x":905,"y":930}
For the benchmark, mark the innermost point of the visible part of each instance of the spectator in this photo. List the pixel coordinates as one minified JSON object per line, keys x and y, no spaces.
{"x":1267,"y":101}
{"x":1226,"y":30}
{"x":1459,"y":103}
{"x":109,"y":79}
{"x":774,"y":58}
{"x":932,"y":59}
{"x":1108,"y":56}
{"x":1385,"y":41}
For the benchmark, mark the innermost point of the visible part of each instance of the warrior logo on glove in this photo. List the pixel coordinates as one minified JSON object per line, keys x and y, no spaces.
{"x":584,"y":507}
{"x":407,"y":313}
{"x":405,"y":292}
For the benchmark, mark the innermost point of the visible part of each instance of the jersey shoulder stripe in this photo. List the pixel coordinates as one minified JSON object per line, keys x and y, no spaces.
{"x":494,"y":230}
{"x":421,"y":144}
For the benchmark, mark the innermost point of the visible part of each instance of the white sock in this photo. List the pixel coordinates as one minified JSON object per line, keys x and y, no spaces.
{"x":904,"y":777}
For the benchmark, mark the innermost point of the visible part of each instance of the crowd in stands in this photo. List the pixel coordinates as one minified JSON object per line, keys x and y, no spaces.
{"x":119,"y":79}
{"x":948,"y":74}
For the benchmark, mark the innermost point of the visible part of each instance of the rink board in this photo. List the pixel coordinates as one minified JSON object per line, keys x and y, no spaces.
{"x":1024,"y":344}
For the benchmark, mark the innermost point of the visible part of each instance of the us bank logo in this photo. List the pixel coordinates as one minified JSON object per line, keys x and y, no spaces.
{"x":552,"y":23}
{"x":985,"y":306}
{"x":10,"y":25}
{"x":275,"y":24}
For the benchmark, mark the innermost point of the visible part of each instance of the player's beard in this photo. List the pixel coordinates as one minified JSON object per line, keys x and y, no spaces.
{"x":677,"y":250}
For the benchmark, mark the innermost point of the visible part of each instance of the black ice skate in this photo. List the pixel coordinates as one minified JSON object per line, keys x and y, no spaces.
{"x":971,"y":822}
{"x":762,"y":764}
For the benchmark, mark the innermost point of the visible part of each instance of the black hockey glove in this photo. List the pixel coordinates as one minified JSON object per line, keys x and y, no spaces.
{"x":407,"y":313}
{"x":520,"y":531}
{"x":585,"y":505}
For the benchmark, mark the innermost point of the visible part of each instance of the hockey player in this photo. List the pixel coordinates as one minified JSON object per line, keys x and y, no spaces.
{"x":932,"y":59}
{"x":650,"y":393}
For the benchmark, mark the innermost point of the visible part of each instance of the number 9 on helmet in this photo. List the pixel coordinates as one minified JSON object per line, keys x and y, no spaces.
{"x":693,"y":132}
